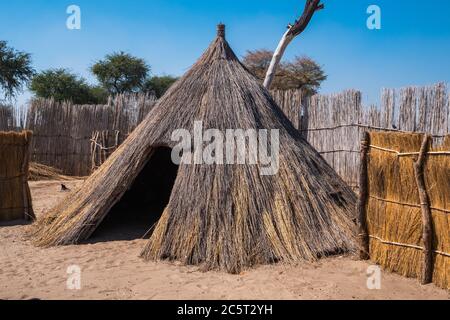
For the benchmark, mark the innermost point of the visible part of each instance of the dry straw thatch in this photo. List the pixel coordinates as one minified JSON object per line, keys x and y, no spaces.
{"x":394,"y":216}
{"x":225,"y":217}
{"x":39,"y":172}
{"x":15,"y":197}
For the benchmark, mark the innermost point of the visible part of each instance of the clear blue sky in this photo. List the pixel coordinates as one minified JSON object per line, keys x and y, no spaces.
{"x":412,"y":48}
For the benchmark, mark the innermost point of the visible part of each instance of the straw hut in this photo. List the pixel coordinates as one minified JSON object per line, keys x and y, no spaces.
{"x":15,"y":198}
{"x":219,"y":216}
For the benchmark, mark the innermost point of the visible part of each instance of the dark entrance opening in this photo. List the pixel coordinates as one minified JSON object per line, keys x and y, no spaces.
{"x":141,"y":206}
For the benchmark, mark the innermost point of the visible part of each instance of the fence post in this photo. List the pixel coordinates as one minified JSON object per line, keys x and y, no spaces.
{"x":363,"y":196}
{"x":427,"y":228}
{"x":27,"y":209}
{"x":93,"y":150}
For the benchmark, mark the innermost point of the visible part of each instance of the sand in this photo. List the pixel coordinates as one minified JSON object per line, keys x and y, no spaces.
{"x":113,"y":270}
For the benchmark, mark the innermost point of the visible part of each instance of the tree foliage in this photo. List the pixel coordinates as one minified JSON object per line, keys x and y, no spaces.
{"x":300,"y":73}
{"x":158,"y":85}
{"x":62,"y":85}
{"x":121,"y":73}
{"x":15,"y":70}
{"x":99,"y":94}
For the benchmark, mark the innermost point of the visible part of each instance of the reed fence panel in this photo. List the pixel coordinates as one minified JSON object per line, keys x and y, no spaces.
{"x":12,"y":118}
{"x":404,"y":218}
{"x":63,"y":131}
{"x":334,"y":124}
{"x":15,"y":197}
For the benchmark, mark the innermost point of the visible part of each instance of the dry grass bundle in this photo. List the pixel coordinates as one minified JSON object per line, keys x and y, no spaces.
{"x":225,"y":217}
{"x":15,"y":197}
{"x":394,"y":217}
{"x":39,"y":172}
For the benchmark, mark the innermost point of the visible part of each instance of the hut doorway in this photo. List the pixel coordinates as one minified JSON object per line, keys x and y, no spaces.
{"x":141,"y":206}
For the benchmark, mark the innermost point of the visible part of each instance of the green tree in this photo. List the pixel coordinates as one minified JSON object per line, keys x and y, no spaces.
{"x":62,"y":85}
{"x":15,"y":70}
{"x":300,"y":73}
{"x":99,"y":94}
{"x":158,"y":85}
{"x":121,"y":73}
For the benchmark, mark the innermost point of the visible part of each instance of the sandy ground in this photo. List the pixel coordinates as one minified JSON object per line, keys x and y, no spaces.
{"x":113,"y":270}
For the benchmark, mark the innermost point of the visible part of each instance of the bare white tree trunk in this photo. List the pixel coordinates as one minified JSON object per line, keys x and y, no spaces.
{"x":276,"y":59}
{"x":311,"y":6}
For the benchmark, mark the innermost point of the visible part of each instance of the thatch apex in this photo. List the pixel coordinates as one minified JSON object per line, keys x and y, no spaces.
{"x":221,"y":30}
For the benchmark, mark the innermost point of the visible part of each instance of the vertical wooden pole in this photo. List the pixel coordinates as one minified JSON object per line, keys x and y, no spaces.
{"x":363,"y":196}
{"x":92,"y":151}
{"x":28,"y":212}
{"x":116,"y":145}
{"x":427,"y":228}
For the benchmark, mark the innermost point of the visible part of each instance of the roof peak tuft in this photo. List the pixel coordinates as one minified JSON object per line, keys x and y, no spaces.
{"x":221,"y":30}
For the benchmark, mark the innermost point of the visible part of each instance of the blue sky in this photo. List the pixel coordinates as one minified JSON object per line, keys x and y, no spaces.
{"x":412,"y":47}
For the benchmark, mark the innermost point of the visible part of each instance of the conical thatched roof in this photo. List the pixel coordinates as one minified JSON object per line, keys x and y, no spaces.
{"x":220,"y":216}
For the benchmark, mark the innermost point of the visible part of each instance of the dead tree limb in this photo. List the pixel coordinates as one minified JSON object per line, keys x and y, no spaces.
{"x":293,"y":31}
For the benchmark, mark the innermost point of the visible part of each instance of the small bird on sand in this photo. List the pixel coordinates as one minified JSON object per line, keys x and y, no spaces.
{"x":64,"y":188}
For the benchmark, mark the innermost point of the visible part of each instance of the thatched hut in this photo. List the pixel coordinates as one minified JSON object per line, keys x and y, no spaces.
{"x":15,"y":197}
{"x":220,"y":216}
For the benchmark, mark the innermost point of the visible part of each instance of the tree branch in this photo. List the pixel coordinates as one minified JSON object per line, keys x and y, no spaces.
{"x":311,"y":6}
{"x":300,"y":25}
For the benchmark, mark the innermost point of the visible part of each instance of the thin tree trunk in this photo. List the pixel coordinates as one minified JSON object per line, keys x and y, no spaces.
{"x":276,"y":59}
